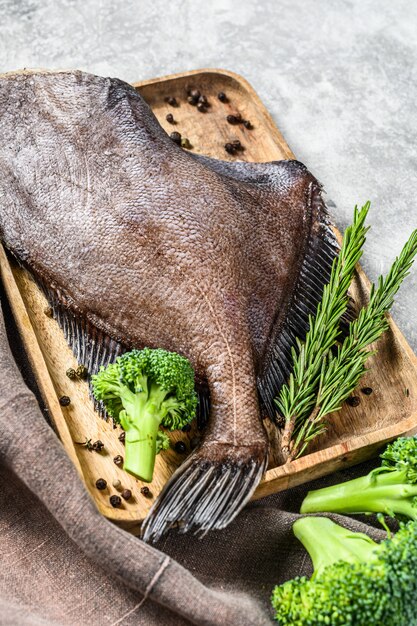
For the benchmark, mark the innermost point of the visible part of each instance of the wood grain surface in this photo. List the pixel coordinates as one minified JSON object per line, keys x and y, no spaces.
{"x":354,"y":434}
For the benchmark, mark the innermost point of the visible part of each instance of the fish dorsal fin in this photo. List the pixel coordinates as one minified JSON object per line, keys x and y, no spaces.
{"x":92,"y":347}
{"x":321,"y":250}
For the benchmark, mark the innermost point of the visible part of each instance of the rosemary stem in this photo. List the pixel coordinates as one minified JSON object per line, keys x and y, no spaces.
{"x":304,"y":431}
{"x":287,"y":436}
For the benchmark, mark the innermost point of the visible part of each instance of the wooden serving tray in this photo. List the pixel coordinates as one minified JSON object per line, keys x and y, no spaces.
{"x":354,"y":434}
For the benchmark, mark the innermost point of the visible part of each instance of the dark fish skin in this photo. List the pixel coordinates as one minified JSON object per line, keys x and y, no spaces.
{"x":140,"y":243}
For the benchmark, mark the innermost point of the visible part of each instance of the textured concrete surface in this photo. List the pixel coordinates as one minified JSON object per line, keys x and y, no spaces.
{"x":339,"y":76}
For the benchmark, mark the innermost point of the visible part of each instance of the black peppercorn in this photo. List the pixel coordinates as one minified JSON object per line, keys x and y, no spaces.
{"x":194,"y":442}
{"x":180,"y":447}
{"x":82,"y":372}
{"x":71,"y":373}
{"x":203,"y":100}
{"x":232,"y":119}
{"x":201,"y":107}
{"x":176,"y":137}
{"x":171,"y":101}
{"x":247,"y":124}
{"x":170,"y":118}
{"x":366,"y":390}
{"x":230,"y":149}
{"x":353,"y":401}
{"x":118,"y":460}
{"x":101,"y":484}
{"x":222,"y":96}
{"x":122,"y":437}
{"x":185,"y":143}
{"x":237,"y":145}
{"x":97,"y":446}
{"x":64,"y":400}
{"x":115,"y":501}
{"x":191,"y":100}
{"x":194,"y":93}
{"x":145,"y":491}
{"x":126,"y":494}
{"x":186,"y":428}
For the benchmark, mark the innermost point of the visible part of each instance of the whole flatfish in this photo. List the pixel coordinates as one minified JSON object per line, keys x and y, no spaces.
{"x":137,"y":242}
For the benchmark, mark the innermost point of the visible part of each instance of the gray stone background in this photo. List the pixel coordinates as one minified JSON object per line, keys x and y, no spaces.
{"x":339,"y":77}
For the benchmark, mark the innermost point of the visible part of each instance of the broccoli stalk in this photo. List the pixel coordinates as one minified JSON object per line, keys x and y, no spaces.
{"x":355,"y":580}
{"x":327,"y":543}
{"x":390,"y":489}
{"x":144,"y":390}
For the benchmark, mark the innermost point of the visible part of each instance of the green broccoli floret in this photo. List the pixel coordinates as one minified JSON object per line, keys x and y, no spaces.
{"x":143,"y":390}
{"x":390,"y":489}
{"x":356,"y":581}
{"x":163,"y":442}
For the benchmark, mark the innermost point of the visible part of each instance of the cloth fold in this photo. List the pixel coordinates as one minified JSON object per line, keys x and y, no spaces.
{"x":33,"y":452}
{"x":63,"y":563}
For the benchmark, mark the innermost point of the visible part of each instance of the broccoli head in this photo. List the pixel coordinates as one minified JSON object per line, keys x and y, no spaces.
{"x":144,"y":390}
{"x":390,"y":489}
{"x":356,"y":581}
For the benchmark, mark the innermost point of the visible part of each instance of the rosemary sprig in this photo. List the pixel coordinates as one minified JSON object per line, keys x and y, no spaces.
{"x":297,"y":398}
{"x":341,"y":373}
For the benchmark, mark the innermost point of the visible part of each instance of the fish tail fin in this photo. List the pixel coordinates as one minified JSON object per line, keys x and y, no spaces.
{"x":208,"y":490}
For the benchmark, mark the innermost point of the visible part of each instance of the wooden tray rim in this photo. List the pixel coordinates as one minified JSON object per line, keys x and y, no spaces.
{"x":275,"y":479}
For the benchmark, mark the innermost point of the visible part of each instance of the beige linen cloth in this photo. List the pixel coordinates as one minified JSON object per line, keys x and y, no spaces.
{"x":62,"y":563}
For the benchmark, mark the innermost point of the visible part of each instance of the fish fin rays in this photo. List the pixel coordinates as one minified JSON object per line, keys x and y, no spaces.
{"x":321,"y":250}
{"x":203,"y":406}
{"x":91,"y":347}
{"x":207,"y":491}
